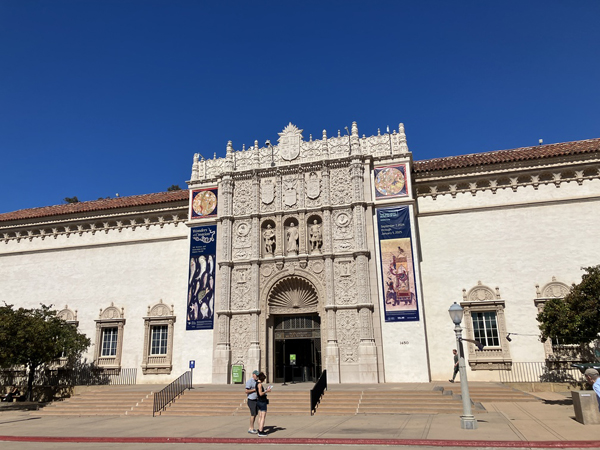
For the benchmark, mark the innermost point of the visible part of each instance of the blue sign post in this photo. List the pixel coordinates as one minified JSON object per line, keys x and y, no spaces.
{"x":192,"y":366}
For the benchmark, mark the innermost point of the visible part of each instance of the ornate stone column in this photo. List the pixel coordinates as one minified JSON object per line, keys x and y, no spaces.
{"x":367,"y":350}
{"x":253,"y":361}
{"x":332,"y":350}
{"x":222,"y":353}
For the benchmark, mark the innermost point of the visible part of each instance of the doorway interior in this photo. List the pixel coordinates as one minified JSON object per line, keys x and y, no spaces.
{"x":297,"y":356}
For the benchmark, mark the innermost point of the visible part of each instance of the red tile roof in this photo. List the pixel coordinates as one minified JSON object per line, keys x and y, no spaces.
{"x":96,"y":205}
{"x":428,"y":165}
{"x":508,"y":156}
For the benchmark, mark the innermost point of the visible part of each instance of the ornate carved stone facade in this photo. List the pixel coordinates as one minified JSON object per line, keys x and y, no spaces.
{"x":297,"y":238}
{"x":296,"y":218}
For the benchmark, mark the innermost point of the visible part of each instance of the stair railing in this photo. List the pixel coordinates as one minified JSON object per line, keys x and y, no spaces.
{"x":167,"y":395}
{"x":317,"y":392}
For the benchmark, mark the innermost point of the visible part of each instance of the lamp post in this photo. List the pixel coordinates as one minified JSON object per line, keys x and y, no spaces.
{"x":467,"y":420}
{"x":268,"y":144}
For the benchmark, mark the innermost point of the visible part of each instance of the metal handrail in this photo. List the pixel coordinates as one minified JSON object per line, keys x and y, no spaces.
{"x":167,"y":395}
{"x":317,"y":392}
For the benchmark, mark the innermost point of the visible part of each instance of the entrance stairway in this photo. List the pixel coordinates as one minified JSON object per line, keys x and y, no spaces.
{"x":103,"y":401}
{"x":340,"y":400}
{"x":493,"y":392}
{"x":233,"y":403}
{"x":340,"y":403}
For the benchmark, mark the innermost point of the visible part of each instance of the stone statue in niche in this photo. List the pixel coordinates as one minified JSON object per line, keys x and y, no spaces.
{"x":292,"y":239}
{"x":316,"y":236}
{"x":269,"y":238}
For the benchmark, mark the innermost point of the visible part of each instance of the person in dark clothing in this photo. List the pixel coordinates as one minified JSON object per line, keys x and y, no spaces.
{"x":455,"y":366}
{"x":262,"y":402}
{"x":12,"y":395}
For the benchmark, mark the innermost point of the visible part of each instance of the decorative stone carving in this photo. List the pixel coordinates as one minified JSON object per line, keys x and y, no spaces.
{"x":68,"y":315}
{"x":160,"y":310}
{"x":269,"y":240}
{"x":266,"y":270}
{"x":345,"y":286}
{"x":242,"y":241}
{"x":343,"y":235}
{"x":340,"y":186}
{"x":292,"y":236}
{"x":317,"y":266}
{"x":241,"y":297}
{"x":554,"y":289}
{"x":480,"y":293}
{"x":347,"y":326}
{"x":315,"y":236}
{"x":267,"y":191}
{"x":293,"y":294}
{"x":289,"y":142}
{"x":289,"y":192}
{"x":313,"y":185}
{"x":242,"y":197}
{"x":240,"y":339}
{"x":112,"y":312}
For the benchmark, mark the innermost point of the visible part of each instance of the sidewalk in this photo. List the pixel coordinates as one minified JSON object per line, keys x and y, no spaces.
{"x":548,"y":424}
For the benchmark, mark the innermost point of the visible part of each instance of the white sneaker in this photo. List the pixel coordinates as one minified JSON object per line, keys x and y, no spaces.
{"x":252,"y":431}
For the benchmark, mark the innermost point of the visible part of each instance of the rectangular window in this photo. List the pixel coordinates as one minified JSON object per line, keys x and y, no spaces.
{"x":158,"y":345}
{"x":485,"y":328}
{"x":109,"y":341}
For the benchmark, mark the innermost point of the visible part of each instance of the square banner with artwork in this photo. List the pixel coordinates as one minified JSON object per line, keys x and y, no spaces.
{"x":204,"y":203}
{"x":390,"y":181}
{"x":201,"y":281}
{"x":397,"y":265}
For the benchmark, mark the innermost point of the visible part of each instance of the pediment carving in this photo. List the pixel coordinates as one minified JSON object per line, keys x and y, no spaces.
{"x":554,"y":289}
{"x":480,"y":293}
{"x":112,"y":312}
{"x":160,"y":310}
{"x":68,"y":315}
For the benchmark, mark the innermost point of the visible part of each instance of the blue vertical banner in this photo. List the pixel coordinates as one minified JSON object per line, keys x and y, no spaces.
{"x":201,"y":280}
{"x":397,"y":264}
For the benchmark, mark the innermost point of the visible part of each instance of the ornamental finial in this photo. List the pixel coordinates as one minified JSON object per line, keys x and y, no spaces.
{"x":402,"y":135}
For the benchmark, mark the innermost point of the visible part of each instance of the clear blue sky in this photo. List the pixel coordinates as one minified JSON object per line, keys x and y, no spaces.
{"x":99,"y":97}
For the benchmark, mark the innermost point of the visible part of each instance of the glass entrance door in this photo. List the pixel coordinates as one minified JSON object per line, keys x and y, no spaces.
{"x":297,"y":348}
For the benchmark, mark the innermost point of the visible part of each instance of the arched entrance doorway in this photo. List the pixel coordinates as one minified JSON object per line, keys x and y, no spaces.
{"x":294,"y":331}
{"x":297,"y":345}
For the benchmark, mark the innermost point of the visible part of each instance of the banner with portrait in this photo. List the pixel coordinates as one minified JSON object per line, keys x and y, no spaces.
{"x":397,"y":264}
{"x":201,"y":279}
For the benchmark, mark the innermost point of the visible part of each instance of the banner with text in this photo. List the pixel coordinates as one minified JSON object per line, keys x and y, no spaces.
{"x":397,"y":265}
{"x":201,"y":284}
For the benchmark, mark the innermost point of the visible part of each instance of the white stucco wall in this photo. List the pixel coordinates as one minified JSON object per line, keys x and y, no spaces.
{"x":511,"y":240}
{"x":132,"y":268}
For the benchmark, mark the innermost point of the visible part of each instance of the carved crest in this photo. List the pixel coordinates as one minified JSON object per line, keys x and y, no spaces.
{"x":267,"y":192}
{"x":289,"y":142}
{"x":289,"y":196}
{"x":313,"y":186}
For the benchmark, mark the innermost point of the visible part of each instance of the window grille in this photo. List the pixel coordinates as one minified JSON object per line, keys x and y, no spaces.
{"x":109,"y":341}
{"x":485,"y":328}
{"x":160,"y":335}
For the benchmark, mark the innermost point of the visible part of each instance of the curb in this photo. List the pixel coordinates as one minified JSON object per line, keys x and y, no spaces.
{"x":307,"y":441}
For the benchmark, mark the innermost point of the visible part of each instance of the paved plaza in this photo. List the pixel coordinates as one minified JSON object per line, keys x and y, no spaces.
{"x":547,"y":423}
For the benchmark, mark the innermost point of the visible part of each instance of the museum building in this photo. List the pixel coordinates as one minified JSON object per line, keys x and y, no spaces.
{"x":339,"y":254}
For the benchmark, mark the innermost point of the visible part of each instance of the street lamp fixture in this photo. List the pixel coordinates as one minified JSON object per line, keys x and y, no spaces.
{"x":467,"y":420}
{"x":268,"y":144}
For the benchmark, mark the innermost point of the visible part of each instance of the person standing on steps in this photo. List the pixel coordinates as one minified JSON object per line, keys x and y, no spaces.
{"x":262,"y":402}
{"x":252,"y":397}
{"x":455,"y":365}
